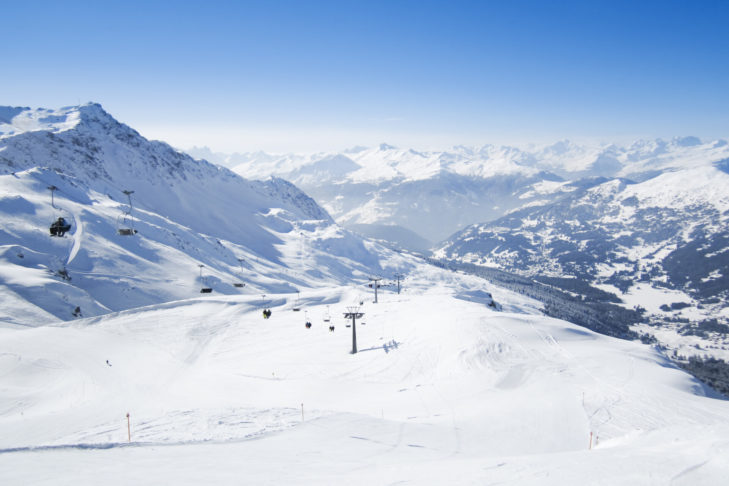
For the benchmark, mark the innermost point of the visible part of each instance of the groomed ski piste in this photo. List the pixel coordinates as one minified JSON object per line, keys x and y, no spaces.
{"x":443,"y":390}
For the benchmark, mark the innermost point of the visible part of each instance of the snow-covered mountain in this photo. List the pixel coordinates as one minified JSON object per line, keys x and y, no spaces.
{"x":152,"y":382}
{"x":435,"y":194}
{"x":644,"y":222}
{"x":197,"y":224}
{"x":661,"y":245}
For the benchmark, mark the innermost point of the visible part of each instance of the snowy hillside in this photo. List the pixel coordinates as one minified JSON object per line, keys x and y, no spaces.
{"x":435,"y":194}
{"x":660,"y":245}
{"x":197,"y":225}
{"x":443,"y":390}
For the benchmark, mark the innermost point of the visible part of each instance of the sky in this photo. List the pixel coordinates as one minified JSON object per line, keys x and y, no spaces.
{"x":311,"y":75}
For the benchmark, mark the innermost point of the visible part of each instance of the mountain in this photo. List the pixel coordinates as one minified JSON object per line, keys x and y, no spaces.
{"x":660,"y":245}
{"x":435,"y":194}
{"x":116,"y":369}
{"x":196,"y":224}
{"x":641,"y":226}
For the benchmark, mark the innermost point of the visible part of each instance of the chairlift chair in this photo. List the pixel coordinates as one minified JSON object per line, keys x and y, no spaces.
{"x":239,"y":284}
{"x":59,"y":227}
{"x":205,"y":289}
{"x":297,"y":305}
{"x":327,"y":317}
{"x":125,"y":222}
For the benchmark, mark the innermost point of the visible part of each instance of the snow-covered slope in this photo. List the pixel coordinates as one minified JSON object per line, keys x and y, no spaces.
{"x":443,"y":390}
{"x":198,"y":225}
{"x":660,"y":245}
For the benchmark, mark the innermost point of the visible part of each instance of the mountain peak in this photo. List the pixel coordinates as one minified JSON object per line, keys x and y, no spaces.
{"x":16,"y":120}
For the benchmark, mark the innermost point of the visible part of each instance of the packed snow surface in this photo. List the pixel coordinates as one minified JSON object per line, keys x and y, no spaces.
{"x":444,"y":390}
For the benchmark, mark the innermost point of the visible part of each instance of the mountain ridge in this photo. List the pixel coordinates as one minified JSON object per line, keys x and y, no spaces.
{"x":196,"y":224}
{"x":386,"y":185}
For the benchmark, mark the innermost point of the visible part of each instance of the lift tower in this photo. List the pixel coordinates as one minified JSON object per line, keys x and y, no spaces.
{"x":399,"y":277}
{"x":353,"y":313}
{"x":375,"y":284}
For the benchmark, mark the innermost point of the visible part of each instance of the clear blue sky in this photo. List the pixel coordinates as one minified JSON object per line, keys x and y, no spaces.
{"x":314,"y":75}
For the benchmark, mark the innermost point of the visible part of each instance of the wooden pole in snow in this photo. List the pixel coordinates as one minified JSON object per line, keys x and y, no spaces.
{"x":129,"y":429}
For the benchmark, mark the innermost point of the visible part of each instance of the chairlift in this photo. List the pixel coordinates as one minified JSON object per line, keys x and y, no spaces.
{"x":297,"y":304}
{"x":60,"y":226}
{"x":266,"y":312}
{"x":239,"y":284}
{"x":307,"y":321}
{"x":328,"y":316}
{"x":125,"y":222}
{"x":205,"y":289}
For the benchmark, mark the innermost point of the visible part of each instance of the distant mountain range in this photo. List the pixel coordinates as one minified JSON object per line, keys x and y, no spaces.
{"x":435,"y":194}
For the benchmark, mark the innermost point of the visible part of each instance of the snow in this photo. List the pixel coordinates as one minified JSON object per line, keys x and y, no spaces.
{"x":445,"y":388}
{"x":15,"y":120}
{"x":215,"y":394}
{"x":186,"y":213}
{"x":684,"y":188}
{"x":646,"y":296}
